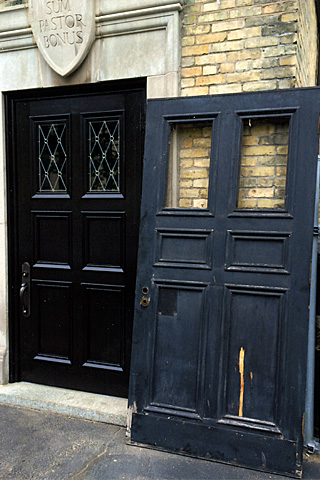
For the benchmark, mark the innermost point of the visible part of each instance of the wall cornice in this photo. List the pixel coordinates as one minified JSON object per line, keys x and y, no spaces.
{"x":112,"y":18}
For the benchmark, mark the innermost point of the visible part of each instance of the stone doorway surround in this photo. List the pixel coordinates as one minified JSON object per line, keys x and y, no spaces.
{"x":134,"y":39}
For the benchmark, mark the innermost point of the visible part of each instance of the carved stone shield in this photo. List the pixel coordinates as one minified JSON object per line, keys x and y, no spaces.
{"x":64,"y":31}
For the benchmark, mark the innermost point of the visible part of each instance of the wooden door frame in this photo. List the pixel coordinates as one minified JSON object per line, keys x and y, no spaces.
{"x":14,"y":276}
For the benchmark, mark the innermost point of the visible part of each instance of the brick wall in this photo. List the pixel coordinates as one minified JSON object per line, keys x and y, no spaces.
{"x":189,"y":164}
{"x":307,"y":45}
{"x":238,"y":45}
{"x":231,"y":46}
{"x":263,"y":165}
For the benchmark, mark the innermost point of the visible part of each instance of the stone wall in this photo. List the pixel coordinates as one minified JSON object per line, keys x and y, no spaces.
{"x":11,"y":3}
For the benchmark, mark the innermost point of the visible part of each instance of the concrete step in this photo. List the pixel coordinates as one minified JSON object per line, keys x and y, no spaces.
{"x":88,"y":406}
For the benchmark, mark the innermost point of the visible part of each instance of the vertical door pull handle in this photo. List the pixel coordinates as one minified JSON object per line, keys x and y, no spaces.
{"x":25,"y":290}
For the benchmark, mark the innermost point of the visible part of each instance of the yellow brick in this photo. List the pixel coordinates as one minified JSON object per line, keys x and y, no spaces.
{"x":199,"y":29}
{"x":204,"y":193}
{"x":263,"y":128}
{"x":187,"y":41}
{"x":261,"y":193}
{"x":288,"y":60}
{"x":191,"y":72}
{"x":243,"y":77}
{"x":242,"y":3}
{"x":195,"y":50}
{"x":202,"y":142}
{"x":275,"y":7}
{"x":265,"y":182}
{"x":244,"y":203}
{"x":244,"y":33}
{"x":210,"y":7}
{"x":211,"y":79}
{"x":244,"y":55}
{"x":250,"y":140}
{"x":194,"y":152}
{"x":211,"y":59}
{"x":204,"y":162}
{"x":187,"y":62}
{"x":225,"y":68}
{"x":257,"y":171}
{"x":282,"y":150}
{"x":185,"y":203}
{"x":211,"y":38}
{"x":280,"y":182}
{"x":210,"y":69}
{"x":249,"y":161}
{"x":189,"y":19}
{"x":195,"y":173}
{"x":270,"y":203}
{"x":194,"y":8}
{"x":244,"y":65}
{"x":261,"y":42}
{"x":281,"y":171}
{"x":289,"y":17}
{"x":260,"y":150}
{"x":262,"y":85}
{"x":187,"y":82}
{"x":280,"y":193}
{"x":231,"y":46}
{"x":187,"y":142}
{"x":189,"y":193}
{"x":200,"y":203}
{"x":246,"y":12}
{"x":224,"y":4}
{"x":228,"y":25}
{"x":186,"y":184}
{"x":186,"y":163}
{"x":202,"y":183}
{"x":230,"y":88}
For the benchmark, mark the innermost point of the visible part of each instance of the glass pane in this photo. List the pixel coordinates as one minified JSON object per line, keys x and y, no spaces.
{"x":189,"y":165}
{"x":104,"y":156}
{"x":264,"y":158}
{"x":52,"y":157}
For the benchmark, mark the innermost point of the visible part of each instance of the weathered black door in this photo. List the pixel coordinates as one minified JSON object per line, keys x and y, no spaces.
{"x":76,"y":177}
{"x":220,"y":333}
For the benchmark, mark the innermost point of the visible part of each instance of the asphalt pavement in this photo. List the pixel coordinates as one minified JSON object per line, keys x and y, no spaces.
{"x":46,"y":446}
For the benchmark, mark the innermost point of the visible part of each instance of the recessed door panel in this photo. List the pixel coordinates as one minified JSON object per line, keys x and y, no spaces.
{"x":53,"y":310}
{"x":105,"y":326}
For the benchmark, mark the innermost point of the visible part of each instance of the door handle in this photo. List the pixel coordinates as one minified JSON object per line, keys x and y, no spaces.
{"x":25,"y":290}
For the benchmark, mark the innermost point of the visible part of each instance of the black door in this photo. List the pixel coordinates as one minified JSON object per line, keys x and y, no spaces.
{"x":221,"y":317}
{"x":76,"y":178}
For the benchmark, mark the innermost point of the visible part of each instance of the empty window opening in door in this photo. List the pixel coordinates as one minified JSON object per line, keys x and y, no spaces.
{"x":189,"y":165}
{"x":263,"y":165}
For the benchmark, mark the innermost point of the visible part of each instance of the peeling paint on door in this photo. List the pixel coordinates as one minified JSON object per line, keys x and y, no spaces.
{"x":241,"y":371}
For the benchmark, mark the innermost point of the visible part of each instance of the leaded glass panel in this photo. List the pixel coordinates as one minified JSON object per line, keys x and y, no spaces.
{"x":104,"y":156}
{"x":52,"y":157}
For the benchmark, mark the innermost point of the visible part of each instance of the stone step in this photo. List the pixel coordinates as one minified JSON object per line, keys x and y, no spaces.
{"x":88,"y":406}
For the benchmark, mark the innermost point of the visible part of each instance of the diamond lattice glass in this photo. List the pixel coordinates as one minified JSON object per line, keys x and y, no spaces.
{"x":104,"y":156}
{"x":52,"y":157}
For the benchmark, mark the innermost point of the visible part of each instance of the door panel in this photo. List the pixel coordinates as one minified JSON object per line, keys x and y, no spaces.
{"x":219,"y":359}
{"x":77,"y":183}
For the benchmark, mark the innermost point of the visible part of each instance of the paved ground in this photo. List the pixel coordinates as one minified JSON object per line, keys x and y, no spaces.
{"x":46,"y":446}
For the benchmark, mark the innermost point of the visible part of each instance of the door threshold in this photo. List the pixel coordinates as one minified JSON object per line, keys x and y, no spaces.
{"x":72,"y":403}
